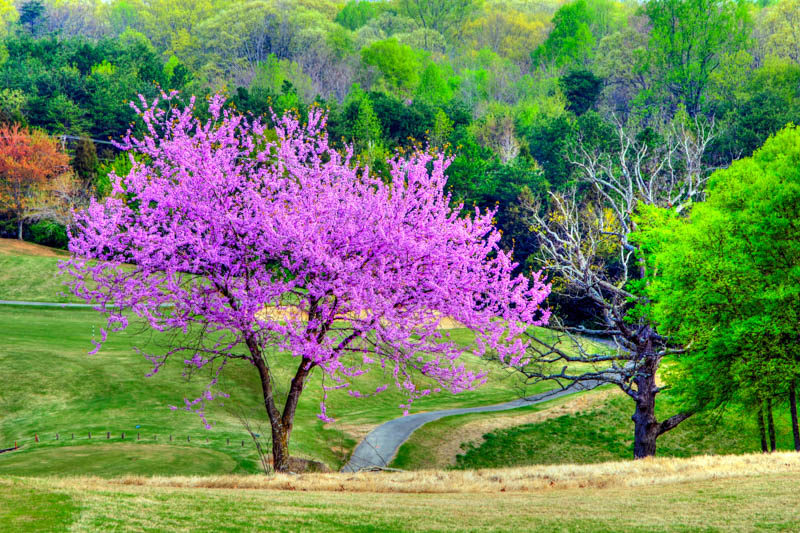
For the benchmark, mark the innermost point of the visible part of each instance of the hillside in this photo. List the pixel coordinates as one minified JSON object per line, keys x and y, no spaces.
{"x":592,"y":427}
{"x":30,"y":272}
{"x":59,"y":390}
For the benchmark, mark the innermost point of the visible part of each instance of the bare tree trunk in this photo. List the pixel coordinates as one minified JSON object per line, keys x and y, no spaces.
{"x":762,"y":430}
{"x":19,"y":229}
{"x":793,"y":409}
{"x":771,"y":426}
{"x":645,"y":425}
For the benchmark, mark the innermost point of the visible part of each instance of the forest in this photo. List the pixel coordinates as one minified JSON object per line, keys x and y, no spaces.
{"x":590,"y":126}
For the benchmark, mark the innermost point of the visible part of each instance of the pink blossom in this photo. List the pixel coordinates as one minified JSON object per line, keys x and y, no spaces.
{"x":215,"y":226}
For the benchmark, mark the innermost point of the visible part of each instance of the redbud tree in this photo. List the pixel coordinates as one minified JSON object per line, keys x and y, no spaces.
{"x":288,"y":246}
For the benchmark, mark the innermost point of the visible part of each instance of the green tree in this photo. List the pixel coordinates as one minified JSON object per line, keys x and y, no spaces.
{"x":582,"y":88}
{"x":442,"y":130}
{"x":437,"y":84}
{"x":84,"y":161}
{"x":447,"y":17}
{"x":779,"y":25}
{"x":8,"y":15}
{"x":688,"y":39}
{"x":571,"y":40}
{"x":398,"y":64}
{"x":32,"y":16}
{"x":366,"y":129}
{"x":728,"y":282}
{"x":357,"y":13}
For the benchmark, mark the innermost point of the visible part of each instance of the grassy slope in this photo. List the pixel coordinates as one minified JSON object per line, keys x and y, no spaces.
{"x":57,"y":388}
{"x":417,"y":453}
{"x":733,"y":502}
{"x":30,"y":272}
{"x":603,"y":433}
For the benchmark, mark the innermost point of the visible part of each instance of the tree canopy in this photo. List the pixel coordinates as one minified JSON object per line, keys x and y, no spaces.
{"x":253,"y":249}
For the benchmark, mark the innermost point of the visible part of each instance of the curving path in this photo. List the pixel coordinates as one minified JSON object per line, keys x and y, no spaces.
{"x":380,"y":446}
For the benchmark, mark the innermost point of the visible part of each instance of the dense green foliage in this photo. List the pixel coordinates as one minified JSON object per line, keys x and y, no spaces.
{"x":507,"y":87}
{"x":728,"y":280}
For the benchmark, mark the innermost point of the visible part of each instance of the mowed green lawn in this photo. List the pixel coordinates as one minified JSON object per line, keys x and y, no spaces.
{"x":30,"y":272}
{"x":762,"y":503}
{"x":601,"y":433}
{"x":53,"y":387}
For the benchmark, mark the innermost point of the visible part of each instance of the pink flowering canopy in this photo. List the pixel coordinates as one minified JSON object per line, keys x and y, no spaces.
{"x":255,"y":245}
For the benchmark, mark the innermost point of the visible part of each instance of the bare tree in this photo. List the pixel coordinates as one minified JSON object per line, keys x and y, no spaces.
{"x":587,"y":247}
{"x":445,"y":16}
{"x":57,"y":198}
{"x":257,"y":433}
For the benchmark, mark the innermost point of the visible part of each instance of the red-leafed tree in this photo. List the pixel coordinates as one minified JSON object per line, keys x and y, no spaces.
{"x":218,"y":225}
{"x":28,"y":159}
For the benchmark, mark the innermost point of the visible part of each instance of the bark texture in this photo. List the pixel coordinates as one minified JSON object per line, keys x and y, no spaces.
{"x":793,"y":409}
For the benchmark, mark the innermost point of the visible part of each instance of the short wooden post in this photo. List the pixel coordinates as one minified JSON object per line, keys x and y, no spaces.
{"x":242,"y":444}
{"x":137,"y":436}
{"x":123,"y":436}
{"x":155,"y":437}
{"x":56,"y":436}
{"x":170,"y":437}
{"x":73,"y":436}
{"x":228,"y":441}
{"x":108,"y":434}
{"x":188,"y":438}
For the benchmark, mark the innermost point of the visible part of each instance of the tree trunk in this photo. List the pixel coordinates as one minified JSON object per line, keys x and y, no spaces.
{"x":280,"y":424}
{"x":280,"y":437}
{"x":793,"y":409}
{"x":645,"y":426}
{"x":762,"y":430}
{"x":280,"y":448}
{"x":19,"y":229}
{"x":771,"y":426}
{"x":282,"y":431}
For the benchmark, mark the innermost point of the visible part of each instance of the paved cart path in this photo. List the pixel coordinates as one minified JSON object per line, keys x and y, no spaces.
{"x":380,"y":446}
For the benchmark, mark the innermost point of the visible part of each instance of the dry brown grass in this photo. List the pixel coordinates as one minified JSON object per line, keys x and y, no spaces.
{"x":17,"y":247}
{"x":291,"y":312}
{"x":620,"y":474}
